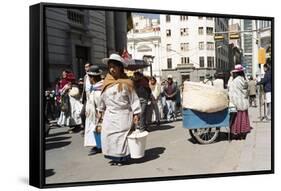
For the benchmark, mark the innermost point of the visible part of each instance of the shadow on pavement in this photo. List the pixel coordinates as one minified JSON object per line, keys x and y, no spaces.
{"x":49,"y":172}
{"x":223,"y":136}
{"x":161,"y":127}
{"x":56,"y":139}
{"x":150,"y":154}
{"x":192,"y":140}
{"x":56,"y":145}
{"x":57,"y":134}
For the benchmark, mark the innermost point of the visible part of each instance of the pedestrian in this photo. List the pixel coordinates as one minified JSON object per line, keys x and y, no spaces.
{"x":57,"y":98}
{"x":85,"y":90}
{"x":229,"y":80}
{"x":155,"y":99}
{"x":164,"y":110}
{"x":178,"y":100}
{"x":208,"y":80}
{"x":238,"y":94}
{"x":120,"y":107}
{"x":92,"y":103}
{"x":170,"y":91}
{"x":81,"y":85}
{"x":218,"y":82}
{"x":266,"y":82}
{"x":252,"y":88}
{"x":141,"y":84}
{"x":70,"y":104}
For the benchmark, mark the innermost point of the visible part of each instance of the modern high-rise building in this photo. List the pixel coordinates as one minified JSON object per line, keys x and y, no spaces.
{"x":234,"y":51}
{"x":248,"y":40}
{"x":265,"y":35}
{"x":257,"y":34}
{"x":222,"y":47}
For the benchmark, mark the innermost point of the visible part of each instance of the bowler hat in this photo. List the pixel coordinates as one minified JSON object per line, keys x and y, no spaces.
{"x":94,"y":71}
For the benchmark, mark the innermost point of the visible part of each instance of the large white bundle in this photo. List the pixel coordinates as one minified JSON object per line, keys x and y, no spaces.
{"x":204,"y":98}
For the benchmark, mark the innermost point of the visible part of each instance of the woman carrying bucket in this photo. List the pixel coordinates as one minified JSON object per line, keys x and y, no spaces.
{"x":121,"y":107}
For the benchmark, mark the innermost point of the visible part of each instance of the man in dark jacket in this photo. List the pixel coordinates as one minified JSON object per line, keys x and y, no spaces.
{"x":266,"y":82}
{"x":170,"y":91}
{"x":143,"y":91}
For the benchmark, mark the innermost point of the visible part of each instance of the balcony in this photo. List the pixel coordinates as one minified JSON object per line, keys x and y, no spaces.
{"x":185,"y":66}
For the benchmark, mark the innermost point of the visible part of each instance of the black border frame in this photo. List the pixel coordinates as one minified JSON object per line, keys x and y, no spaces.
{"x":37,"y":68}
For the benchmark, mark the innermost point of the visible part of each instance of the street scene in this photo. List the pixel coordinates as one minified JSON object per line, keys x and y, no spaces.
{"x":170,"y":151}
{"x":137,"y":95}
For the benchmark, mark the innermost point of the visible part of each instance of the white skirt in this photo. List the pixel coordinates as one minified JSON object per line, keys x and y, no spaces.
{"x":268,"y":97}
{"x":74,"y":117}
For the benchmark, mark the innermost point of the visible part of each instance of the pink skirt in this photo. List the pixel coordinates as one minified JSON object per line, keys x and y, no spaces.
{"x":240,"y":123}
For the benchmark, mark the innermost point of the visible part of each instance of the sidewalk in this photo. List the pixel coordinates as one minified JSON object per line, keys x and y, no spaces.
{"x":256,"y":152}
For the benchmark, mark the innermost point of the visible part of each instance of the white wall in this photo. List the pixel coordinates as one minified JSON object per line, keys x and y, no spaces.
{"x":193,"y":39}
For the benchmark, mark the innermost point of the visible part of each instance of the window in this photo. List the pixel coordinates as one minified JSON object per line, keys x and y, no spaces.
{"x":168,"y":32}
{"x":201,"y":45}
{"x":210,"y":46}
{"x":184,"y":46}
{"x":169,"y":47}
{"x":200,"y":17}
{"x":210,"y":62}
{"x":202,"y":78}
{"x":210,"y":30}
{"x":201,"y":61}
{"x":209,"y":18}
{"x":169,"y":63}
{"x":168,"y":18}
{"x":185,"y":77}
{"x":184,"y":31}
{"x":184,"y":60}
{"x":183,"y":18}
{"x":219,"y":63}
{"x":75,"y":16}
{"x":200,"y":30}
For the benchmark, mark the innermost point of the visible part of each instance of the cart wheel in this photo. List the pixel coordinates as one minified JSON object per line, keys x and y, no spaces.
{"x":205,"y":135}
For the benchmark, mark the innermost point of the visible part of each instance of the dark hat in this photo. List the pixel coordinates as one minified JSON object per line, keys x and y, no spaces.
{"x":94,"y":71}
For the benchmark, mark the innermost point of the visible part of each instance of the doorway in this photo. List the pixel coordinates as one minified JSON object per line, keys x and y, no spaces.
{"x":82,"y":56}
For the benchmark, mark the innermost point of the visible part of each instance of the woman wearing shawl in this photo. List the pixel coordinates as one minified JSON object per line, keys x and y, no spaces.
{"x":92,"y":102}
{"x":238,"y":95}
{"x":121,"y":107}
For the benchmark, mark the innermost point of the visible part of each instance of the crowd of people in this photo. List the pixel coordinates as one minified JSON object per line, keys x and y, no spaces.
{"x":107,"y":107}
{"x":113,"y":101}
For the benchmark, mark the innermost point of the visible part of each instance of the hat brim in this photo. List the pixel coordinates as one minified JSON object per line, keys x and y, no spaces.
{"x":106,"y":60}
{"x":238,"y":70}
{"x":94,"y":73}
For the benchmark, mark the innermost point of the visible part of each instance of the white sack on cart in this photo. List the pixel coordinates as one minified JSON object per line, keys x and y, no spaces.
{"x":204,"y":98}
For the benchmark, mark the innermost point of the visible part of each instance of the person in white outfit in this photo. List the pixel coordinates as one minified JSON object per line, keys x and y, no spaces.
{"x":155,"y":98}
{"x":92,"y":103}
{"x":70,"y":104}
{"x":120,"y":107}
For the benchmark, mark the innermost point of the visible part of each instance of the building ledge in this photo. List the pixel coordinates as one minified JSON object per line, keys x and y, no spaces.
{"x":185,"y":66}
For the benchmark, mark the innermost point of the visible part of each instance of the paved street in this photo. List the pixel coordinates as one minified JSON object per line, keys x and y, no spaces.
{"x":170,"y":151}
